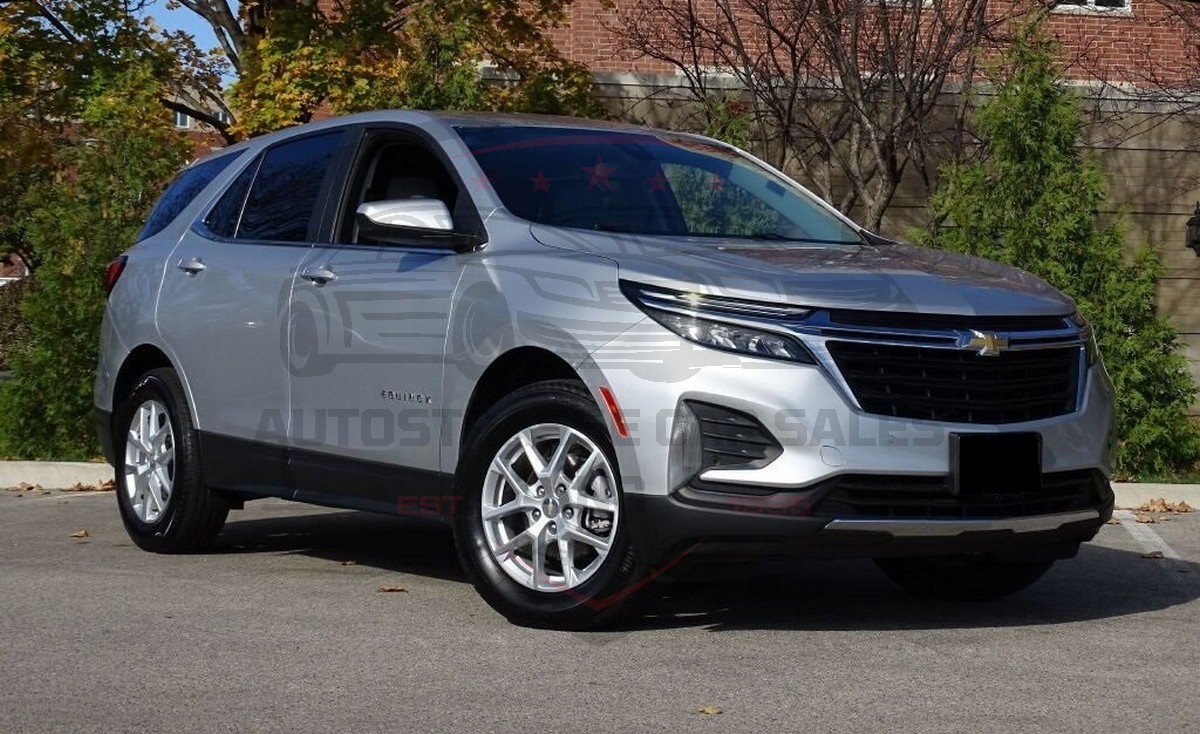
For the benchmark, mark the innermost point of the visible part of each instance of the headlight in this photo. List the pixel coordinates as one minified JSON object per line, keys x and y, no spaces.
{"x":714,"y":322}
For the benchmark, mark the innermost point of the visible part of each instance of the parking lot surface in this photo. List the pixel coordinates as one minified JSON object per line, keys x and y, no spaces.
{"x":283,"y":628}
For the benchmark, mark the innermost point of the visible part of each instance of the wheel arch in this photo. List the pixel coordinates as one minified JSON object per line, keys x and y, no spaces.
{"x":140,"y":360}
{"x":515,"y":368}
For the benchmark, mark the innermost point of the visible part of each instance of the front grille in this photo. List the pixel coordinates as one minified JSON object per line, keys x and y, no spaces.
{"x":929,"y":497}
{"x":959,"y":385}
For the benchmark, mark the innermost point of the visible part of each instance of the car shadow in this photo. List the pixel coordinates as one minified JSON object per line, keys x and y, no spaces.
{"x":1100,"y":583}
{"x":406,"y":545}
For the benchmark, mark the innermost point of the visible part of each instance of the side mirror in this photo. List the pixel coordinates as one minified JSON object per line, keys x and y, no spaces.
{"x":413,"y":222}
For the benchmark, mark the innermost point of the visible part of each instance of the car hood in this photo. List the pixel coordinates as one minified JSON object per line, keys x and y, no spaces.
{"x":869,"y":276}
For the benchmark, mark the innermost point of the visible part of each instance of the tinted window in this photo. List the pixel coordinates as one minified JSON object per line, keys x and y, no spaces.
{"x":646,"y":183}
{"x":224,"y":217}
{"x":180,"y":193}
{"x":285,"y":192}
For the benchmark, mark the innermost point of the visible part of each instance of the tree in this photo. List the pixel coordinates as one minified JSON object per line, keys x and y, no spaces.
{"x":78,"y":220}
{"x":56,"y":58}
{"x":55,"y":49}
{"x":296,"y":59}
{"x":1033,"y":201}
{"x":854,"y":93}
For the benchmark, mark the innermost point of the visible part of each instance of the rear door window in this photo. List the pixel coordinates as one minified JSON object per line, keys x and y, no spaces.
{"x":181,"y":192}
{"x":283,"y":199}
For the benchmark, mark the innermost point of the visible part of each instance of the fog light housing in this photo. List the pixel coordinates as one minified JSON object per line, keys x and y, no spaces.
{"x":686,"y":454}
{"x":706,"y":436}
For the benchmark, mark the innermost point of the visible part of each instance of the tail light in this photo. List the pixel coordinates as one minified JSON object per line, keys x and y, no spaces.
{"x":113,"y":272}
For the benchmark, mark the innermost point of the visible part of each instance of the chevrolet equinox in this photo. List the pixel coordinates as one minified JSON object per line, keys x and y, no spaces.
{"x":591,"y":349}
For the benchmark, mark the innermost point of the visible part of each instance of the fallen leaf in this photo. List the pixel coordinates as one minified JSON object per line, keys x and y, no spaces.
{"x":392,"y":589}
{"x":105,"y":486}
{"x":1153,"y":554}
{"x":349,"y":563}
{"x":709,"y":710}
{"x":1145,"y":519}
{"x":1113,"y":521}
{"x":1161,"y":505}
{"x":80,"y":534}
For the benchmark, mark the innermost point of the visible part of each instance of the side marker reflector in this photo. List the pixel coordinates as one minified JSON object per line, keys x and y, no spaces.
{"x":610,"y":401}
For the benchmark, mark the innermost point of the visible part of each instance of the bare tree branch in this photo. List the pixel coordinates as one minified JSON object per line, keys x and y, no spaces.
{"x":852,"y":93}
{"x":224,"y":23}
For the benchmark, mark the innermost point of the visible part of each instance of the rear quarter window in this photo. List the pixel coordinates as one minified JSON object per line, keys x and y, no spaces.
{"x":186,"y":186}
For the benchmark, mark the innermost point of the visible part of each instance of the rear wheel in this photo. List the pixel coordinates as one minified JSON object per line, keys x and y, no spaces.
{"x":164,"y":505}
{"x":541,"y":529}
{"x":962,"y":578}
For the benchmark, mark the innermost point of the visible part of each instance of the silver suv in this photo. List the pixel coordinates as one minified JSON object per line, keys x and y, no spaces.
{"x":593,"y":349}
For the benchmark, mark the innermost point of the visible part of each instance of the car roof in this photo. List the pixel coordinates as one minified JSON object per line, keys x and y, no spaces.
{"x":446,"y":121}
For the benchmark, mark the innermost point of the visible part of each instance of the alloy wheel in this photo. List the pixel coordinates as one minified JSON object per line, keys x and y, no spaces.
{"x":150,"y":461}
{"x":550,"y":507}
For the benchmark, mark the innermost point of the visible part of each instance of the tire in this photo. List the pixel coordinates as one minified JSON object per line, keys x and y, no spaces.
{"x":595,"y":594}
{"x":187,"y":516}
{"x":962,"y":578}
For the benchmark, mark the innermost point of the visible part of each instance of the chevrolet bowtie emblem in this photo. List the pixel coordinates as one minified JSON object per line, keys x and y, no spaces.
{"x":987,"y":343}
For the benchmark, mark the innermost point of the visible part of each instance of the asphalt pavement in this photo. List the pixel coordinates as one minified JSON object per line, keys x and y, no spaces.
{"x":283,"y":628}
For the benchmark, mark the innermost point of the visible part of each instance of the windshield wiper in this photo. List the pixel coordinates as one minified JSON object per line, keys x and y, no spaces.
{"x":776,"y":237}
{"x":771,"y":236}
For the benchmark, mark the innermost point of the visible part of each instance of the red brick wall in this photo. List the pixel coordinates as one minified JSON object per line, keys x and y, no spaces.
{"x":1139,"y":46}
{"x":1135,"y":46}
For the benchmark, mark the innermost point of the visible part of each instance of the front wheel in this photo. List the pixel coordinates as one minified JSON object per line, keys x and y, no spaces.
{"x":541,"y":528}
{"x":962,"y":578}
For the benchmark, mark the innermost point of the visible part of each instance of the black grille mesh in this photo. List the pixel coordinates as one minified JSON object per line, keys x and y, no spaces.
{"x":959,"y":385}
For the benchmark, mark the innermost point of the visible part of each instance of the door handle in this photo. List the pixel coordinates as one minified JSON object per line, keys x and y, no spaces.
{"x":318,"y":275}
{"x":191,"y":265}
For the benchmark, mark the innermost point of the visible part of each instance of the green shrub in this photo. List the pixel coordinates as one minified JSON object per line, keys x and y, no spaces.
{"x":14,"y":330}
{"x":1033,"y":201}
{"x":77,"y":224}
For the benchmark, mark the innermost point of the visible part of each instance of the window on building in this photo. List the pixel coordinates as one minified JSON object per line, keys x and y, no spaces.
{"x":1099,"y":5}
{"x":182,"y":119}
{"x":222,"y":116}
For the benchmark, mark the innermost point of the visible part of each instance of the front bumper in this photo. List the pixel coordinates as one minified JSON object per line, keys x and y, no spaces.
{"x":692,"y":521}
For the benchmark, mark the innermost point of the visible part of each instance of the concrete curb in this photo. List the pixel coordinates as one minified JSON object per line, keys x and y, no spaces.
{"x":64,"y":474}
{"x":1131,"y":495}
{"x":53,"y":474}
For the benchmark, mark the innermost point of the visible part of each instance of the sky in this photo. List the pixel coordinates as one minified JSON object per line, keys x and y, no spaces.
{"x":184,"y":20}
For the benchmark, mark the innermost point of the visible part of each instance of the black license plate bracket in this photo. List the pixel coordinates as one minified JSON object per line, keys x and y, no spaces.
{"x":995,"y":463}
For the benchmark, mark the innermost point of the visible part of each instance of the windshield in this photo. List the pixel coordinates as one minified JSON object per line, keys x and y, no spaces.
{"x":645,"y":183}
